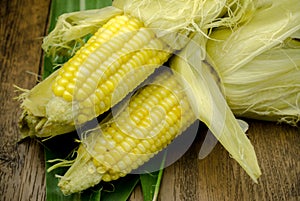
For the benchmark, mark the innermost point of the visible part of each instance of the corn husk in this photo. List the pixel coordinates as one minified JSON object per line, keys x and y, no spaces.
{"x":259,"y":63}
{"x":210,"y":106}
{"x":174,"y":20}
{"x":66,"y":37}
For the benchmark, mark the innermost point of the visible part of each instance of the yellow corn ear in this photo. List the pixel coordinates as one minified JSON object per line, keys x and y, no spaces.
{"x":117,"y":58}
{"x":96,"y":76}
{"x":151,"y":120}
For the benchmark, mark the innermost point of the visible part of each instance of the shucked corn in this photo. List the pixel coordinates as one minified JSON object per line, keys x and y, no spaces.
{"x":118,"y":57}
{"x":96,"y":76}
{"x":152,"y":119}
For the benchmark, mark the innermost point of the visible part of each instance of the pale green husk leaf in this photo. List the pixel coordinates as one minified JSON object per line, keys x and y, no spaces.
{"x":259,"y":63}
{"x":72,"y":27}
{"x":173,"y":19}
{"x":211,"y":107}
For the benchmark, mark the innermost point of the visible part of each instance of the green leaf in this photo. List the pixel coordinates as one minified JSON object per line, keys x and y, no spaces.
{"x":151,"y":182}
{"x":59,"y":7}
{"x":121,"y":189}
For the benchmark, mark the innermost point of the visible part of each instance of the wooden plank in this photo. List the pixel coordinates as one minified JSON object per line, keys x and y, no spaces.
{"x":218,"y":177}
{"x":21,"y":165}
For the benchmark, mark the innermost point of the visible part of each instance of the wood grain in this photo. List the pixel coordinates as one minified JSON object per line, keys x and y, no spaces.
{"x":22,"y":28}
{"x":216,"y":177}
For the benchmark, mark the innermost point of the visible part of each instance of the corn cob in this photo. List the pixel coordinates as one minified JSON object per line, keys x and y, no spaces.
{"x":119,"y":56}
{"x":151,"y":120}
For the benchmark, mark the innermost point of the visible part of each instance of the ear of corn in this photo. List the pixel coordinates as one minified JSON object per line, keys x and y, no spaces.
{"x":151,"y":120}
{"x":119,"y":56}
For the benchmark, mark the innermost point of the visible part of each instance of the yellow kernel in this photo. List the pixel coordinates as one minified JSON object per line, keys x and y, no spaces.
{"x":138,"y":133}
{"x":171,"y":101}
{"x":126,"y":146}
{"x":170,"y":120}
{"x":122,"y":165}
{"x":138,"y":60}
{"x":118,"y":137}
{"x":146,"y":143}
{"x":73,"y":67}
{"x":172,"y":132}
{"x":68,"y":75}
{"x":131,"y":141}
{"x":70,"y":87}
{"x":176,"y":113}
{"x":87,"y":88}
{"x":110,"y":85}
{"x":114,"y":177}
{"x":96,"y":163}
{"x":104,"y":89}
{"x":100,"y":149}
{"x":109,"y":159}
{"x":67,"y":96}
{"x":106,"y":178}
{"x":62,"y":71}
{"x":87,"y":103}
{"x":58,"y":90}
{"x":141,"y":148}
{"x":102,"y":105}
{"x":139,"y":161}
{"x":122,"y":174}
{"x":115,"y":154}
{"x":153,"y":148}
{"x":165,"y":105}
{"x":135,"y":118}
{"x":81,"y":94}
{"x":99,"y":93}
{"x":62,"y":81}
{"x":127,"y":160}
{"x":121,"y":150}
{"x":101,"y":169}
{"x":97,"y":109}
{"x":146,"y":123}
{"x":81,"y":118}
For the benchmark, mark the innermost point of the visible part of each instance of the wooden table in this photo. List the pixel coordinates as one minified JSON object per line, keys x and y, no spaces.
{"x":217,"y":177}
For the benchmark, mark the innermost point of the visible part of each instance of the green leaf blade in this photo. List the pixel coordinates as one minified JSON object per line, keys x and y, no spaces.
{"x":123,"y":188}
{"x":151,"y":182}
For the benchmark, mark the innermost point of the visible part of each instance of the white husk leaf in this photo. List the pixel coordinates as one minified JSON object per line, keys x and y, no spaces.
{"x":259,"y":64}
{"x":75,"y":25}
{"x":174,"y":20}
{"x":232,"y":49}
{"x":211,"y":107}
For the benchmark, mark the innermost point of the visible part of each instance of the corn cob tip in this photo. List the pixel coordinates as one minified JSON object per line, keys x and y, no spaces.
{"x":42,"y":114}
{"x":34,"y":126}
{"x":81,"y":175}
{"x":59,"y":119}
